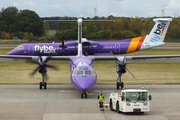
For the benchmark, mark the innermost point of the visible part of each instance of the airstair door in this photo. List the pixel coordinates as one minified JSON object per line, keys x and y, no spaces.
{"x":117,"y":48}
{"x":31,"y":50}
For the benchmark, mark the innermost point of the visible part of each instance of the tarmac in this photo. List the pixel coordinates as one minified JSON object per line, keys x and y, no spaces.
{"x":63,"y":102}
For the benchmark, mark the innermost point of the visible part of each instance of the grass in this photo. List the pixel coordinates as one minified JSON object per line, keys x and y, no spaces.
{"x":145,"y":73}
{"x":172,"y":44}
{"x":51,"y":32}
{"x":4,"y":51}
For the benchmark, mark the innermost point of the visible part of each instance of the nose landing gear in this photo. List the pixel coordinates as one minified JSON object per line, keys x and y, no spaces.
{"x":84,"y":94}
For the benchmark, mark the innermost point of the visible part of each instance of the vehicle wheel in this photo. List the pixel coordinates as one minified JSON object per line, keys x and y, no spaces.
{"x":81,"y":95}
{"x":85,"y":95}
{"x":117,"y":107}
{"x":45,"y":85}
{"x":122,"y":85}
{"x":110,"y":105}
{"x":117,"y":85}
{"x":40,"y":85}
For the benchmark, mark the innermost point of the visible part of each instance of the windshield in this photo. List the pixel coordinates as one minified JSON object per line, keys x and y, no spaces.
{"x":88,"y":72}
{"x":84,"y":72}
{"x":136,"y":97}
{"x":80,"y":72}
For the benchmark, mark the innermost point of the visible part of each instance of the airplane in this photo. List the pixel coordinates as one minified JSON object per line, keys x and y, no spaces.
{"x":90,"y":47}
{"x":83,"y":75}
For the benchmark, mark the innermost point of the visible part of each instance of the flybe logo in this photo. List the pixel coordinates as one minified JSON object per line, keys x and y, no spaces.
{"x":160,"y":29}
{"x":158,"y":32}
{"x":46,"y":49}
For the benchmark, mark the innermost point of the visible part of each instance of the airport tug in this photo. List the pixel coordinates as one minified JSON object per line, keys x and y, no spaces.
{"x":130,"y":100}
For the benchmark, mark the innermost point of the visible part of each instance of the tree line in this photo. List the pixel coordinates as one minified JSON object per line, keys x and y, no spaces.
{"x":123,"y":28}
{"x":21,"y":23}
{"x":27,"y":24}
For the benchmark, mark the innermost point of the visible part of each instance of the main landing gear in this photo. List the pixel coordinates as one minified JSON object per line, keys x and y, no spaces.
{"x":84,"y":94}
{"x":43,"y":83}
{"x":119,"y":83}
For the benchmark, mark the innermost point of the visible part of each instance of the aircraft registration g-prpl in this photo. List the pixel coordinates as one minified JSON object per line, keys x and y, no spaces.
{"x":83,"y":75}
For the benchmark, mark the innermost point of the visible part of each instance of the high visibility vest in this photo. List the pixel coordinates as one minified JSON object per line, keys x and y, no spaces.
{"x":142,"y":96}
{"x":101,"y":98}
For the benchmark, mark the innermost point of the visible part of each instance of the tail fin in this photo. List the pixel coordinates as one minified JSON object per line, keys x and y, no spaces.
{"x":158,"y":32}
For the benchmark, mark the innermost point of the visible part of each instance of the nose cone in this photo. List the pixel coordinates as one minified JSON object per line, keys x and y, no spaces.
{"x":12,"y":52}
{"x":84,"y":83}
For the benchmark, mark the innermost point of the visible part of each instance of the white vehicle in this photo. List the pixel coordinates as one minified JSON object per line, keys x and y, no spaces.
{"x":130,"y":100}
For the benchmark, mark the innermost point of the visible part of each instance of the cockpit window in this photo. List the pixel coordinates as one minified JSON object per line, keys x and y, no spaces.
{"x":19,"y":47}
{"x":84,"y":72}
{"x":88,"y":72}
{"x":79,"y":72}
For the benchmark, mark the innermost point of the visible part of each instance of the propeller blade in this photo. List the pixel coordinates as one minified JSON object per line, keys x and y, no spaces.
{"x":124,"y":57}
{"x":130,"y":72}
{"x":35,"y":70}
{"x":111,"y":67}
{"x":39,"y":54}
{"x":53,"y":67}
{"x":47,"y":59}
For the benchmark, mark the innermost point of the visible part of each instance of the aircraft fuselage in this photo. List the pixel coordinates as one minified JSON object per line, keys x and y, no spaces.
{"x":89,"y":47}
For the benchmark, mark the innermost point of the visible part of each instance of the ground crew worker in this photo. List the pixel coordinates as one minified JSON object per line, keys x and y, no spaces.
{"x":100,"y":98}
{"x":142,"y":96}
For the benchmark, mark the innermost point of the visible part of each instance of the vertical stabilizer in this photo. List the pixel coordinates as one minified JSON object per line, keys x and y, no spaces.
{"x":157,"y":34}
{"x":159,"y":30}
{"x":80,"y":36}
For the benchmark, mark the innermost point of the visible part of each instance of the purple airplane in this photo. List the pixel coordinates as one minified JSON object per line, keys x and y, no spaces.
{"x":83,"y":75}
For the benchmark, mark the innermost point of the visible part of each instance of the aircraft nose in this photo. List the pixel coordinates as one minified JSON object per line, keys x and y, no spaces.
{"x":12,"y":52}
{"x":85,"y":83}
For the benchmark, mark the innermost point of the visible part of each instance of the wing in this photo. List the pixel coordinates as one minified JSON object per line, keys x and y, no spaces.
{"x":97,"y":58}
{"x":60,"y":58}
{"x":120,"y":58}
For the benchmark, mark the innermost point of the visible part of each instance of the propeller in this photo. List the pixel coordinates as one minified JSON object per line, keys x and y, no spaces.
{"x":62,"y":45}
{"x":42,"y":65}
{"x":122,"y":64}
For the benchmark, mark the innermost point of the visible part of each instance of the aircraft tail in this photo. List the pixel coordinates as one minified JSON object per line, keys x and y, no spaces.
{"x":157,"y":34}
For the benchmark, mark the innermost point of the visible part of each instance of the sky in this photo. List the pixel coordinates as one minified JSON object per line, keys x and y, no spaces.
{"x":85,"y":8}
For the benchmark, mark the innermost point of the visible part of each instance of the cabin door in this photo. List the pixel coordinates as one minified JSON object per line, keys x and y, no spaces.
{"x":117,"y":48}
{"x":31,"y":50}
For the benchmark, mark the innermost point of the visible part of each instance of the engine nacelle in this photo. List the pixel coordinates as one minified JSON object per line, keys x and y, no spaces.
{"x":42,"y":70}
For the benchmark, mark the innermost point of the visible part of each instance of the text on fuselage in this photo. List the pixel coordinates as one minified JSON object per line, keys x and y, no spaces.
{"x":46,"y":49}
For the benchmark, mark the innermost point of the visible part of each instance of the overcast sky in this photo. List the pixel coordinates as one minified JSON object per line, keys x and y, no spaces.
{"x":85,"y":8}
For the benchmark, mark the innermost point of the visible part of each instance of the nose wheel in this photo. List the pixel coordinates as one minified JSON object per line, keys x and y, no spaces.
{"x":119,"y":83}
{"x":41,"y":84}
{"x":84,"y":95}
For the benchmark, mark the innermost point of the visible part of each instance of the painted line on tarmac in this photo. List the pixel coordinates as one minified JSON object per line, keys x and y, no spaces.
{"x":67,"y":91}
{"x":104,"y":91}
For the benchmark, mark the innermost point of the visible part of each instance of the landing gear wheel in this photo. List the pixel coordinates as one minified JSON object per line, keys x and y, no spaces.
{"x":40,"y":85}
{"x":81,"y":95}
{"x":122,"y":85}
{"x":117,"y":85}
{"x":45,"y":85}
{"x":117,"y":107}
{"x":85,"y":95}
{"x":110,"y":105}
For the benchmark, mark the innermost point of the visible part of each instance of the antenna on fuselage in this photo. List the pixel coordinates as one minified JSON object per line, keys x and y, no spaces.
{"x":79,"y":21}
